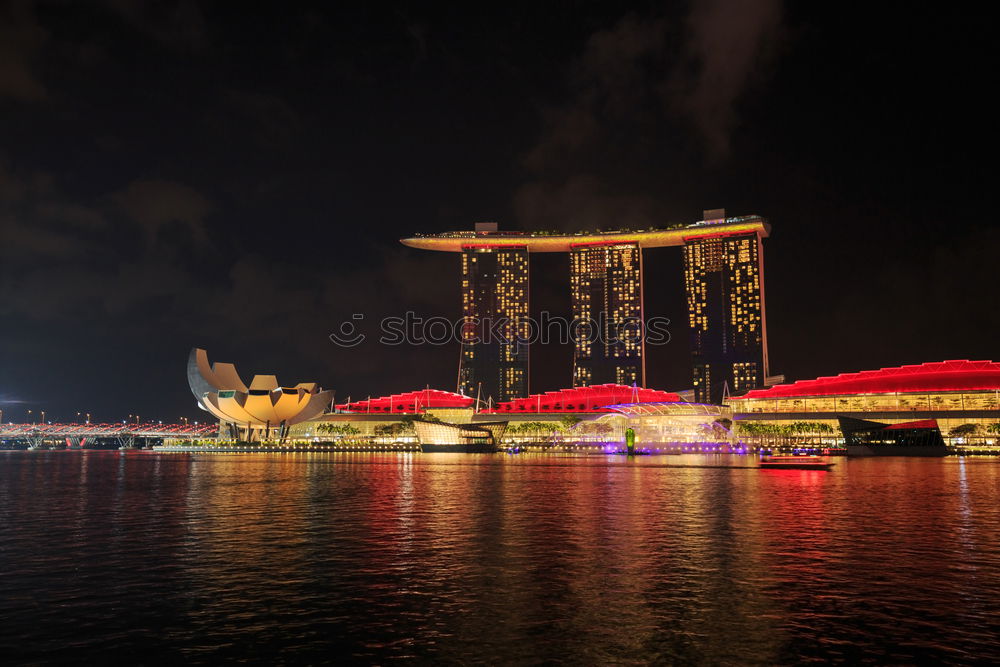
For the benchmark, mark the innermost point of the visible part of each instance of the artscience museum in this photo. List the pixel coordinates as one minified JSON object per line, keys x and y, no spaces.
{"x":263,"y":410}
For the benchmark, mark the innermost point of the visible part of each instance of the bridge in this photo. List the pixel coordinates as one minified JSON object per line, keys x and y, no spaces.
{"x":124,"y":434}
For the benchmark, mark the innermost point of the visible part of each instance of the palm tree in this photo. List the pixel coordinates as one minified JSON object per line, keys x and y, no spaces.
{"x":750,"y":430}
{"x":566,"y":424}
{"x":337,"y":429}
{"x":532,"y":428}
{"x":824,"y":429}
{"x":522,"y":429}
{"x":515,"y":430}
{"x":569,"y":421}
{"x":966,"y":431}
{"x":549,"y":429}
{"x":540,"y":429}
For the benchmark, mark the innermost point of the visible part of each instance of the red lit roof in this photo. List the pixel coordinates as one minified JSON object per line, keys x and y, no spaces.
{"x":413,"y":401}
{"x":923,"y":423}
{"x":958,"y":375}
{"x":594,"y":398}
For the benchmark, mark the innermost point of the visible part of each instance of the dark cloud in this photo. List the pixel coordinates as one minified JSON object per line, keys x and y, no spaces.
{"x":584,"y":202}
{"x":573,"y":166}
{"x":418,"y":34}
{"x":727,"y":44}
{"x":66,"y":258}
{"x":156,"y":203}
{"x":270,"y":120}
{"x":18,"y":184}
{"x":22,"y":39}
{"x":609,"y":83}
{"x":176,"y":24}
{"x":647,"y":78}
{"x":57,"y":266}
{"x":36,"y":226}
{"x":72,"y":215}
{"x":929,"y":304}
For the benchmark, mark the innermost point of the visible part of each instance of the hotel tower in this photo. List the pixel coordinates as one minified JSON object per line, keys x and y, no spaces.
{"x":723,"y":279}
{"x":494,"y":363}
{"x":606,"y":294}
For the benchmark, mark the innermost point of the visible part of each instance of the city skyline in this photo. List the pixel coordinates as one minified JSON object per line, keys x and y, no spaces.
{"x":645,"y":332}
{"x":169,"y":180}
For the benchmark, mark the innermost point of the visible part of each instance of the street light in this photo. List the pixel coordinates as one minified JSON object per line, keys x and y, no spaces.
{"x":29,"y":417}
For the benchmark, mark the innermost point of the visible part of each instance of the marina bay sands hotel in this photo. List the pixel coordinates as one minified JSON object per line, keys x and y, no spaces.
{"x":723,"y":279}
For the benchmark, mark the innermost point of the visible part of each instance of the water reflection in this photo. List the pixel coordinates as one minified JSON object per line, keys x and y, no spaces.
{"x":578,"y":559}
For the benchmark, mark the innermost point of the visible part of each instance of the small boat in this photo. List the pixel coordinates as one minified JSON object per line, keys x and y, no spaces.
{"x":794,"y":463}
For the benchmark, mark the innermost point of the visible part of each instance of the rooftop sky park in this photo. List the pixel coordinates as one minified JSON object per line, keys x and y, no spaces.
{"x":556,"y":241}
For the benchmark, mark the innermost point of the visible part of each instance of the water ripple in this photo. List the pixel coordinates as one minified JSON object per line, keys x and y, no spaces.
{"x":367,"y":558}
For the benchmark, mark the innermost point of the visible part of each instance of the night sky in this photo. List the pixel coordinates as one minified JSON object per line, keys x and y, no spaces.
{"x":179,"y":174}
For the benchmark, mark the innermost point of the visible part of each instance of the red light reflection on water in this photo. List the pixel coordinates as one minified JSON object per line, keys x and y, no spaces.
{"x":531,"y":558}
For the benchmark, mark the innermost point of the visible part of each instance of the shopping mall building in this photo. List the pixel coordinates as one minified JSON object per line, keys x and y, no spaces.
{"x":595,"y":413}
{"x":954,"y":393}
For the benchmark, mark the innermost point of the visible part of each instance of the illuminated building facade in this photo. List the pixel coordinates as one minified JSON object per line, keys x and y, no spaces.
{"x":723,"y":277}
{"x":369,"y":417}
{"x":495,"y":328}
{"x":672,"y":424}
{"x":254,"y":412}
{"x":594,"y":398}
{"x":954,"y":393}
{"x":606,"y":294}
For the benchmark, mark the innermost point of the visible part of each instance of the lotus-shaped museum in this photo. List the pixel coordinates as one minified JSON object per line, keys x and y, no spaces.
{"x":255,"y":410}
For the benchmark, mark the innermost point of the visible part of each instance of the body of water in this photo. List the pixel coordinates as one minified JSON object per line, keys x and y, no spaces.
{"x":289,"y":558}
